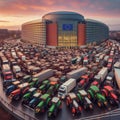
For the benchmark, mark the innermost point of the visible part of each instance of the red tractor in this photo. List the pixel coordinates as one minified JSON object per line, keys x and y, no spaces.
{"x":73,"y":104}
{"x":85,"y":79}
{"x":109,"y":93}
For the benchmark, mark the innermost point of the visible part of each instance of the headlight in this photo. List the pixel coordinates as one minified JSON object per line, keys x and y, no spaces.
{"x":37,"y":110}
{"x":105,"y":103}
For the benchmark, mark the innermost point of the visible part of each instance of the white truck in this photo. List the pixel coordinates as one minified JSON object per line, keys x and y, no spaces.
{"x":16,"y":69}
{"x":21,"y":56}
{"x":102,"y":74}
{"x":14,"y":55}
{"x":5,"y":67}
{"x":44,"y":74}
{"x":106,"y":58}
{"x":117,"y":64}
{"x":117,"y":76}
{"x":66,"y":87}
{"x":77,"y":73}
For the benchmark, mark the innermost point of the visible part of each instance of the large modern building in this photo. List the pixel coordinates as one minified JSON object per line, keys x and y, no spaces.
{"x":64,"y":29}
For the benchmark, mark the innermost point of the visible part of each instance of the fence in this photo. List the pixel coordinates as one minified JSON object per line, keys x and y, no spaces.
{"x":109,"y":115}
{"x":15,"y":112}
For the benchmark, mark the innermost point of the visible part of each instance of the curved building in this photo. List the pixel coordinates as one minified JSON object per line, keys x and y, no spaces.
{"x":96,"y":31}
{"x":64,"y":29}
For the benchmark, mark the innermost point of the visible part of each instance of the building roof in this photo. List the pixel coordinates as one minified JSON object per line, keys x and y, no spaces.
{"x":63,"y":15}
{"x":32,"y":22}
{"x":63,"y":12}
{"x":95,"y":21}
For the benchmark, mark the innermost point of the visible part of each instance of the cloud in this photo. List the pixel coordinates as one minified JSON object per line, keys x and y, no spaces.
{"x":30,"y":7}
{"x":88,"y":8}
{"x":4,"y":21}
{"x":114,"y":24}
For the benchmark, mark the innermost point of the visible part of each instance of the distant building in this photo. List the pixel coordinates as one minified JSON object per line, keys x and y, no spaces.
{"x":64,"y":29}
{"x":4,"y":33}
{"x":96,"y":31}
{"x":114,"y":35}
{"x":34,"y":32}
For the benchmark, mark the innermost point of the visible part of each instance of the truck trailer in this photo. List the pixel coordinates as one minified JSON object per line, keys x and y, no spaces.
{"x":117,"y":76}
{"x":66,"y":87}
{"x":44,"y":75}
{"x":77,"y":73}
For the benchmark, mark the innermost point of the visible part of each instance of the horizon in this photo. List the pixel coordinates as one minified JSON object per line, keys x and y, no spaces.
{"x":13,"y":13}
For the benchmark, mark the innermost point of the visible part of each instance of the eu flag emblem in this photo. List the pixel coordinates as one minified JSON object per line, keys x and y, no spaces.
{"x":67,"y":27}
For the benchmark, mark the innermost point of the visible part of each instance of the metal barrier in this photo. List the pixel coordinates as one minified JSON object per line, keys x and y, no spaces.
{"x":15,"y":111}
{"x":109,"y":115}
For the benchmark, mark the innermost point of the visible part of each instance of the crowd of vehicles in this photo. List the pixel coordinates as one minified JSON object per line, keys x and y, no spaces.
{"x":43,"y":78}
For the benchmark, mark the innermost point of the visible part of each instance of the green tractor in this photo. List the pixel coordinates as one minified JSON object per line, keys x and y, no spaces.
{"x":95,"y":95}
{"x":82,"y":97}
{"x":27,"y":97}
{"x":56,"y":106}
{"x":43,"y":104}
{"x":53,"y":89}
{"x":45,"y":85}
{"x":73,"y":60}
{"x":35,"y":82}
{"x":27,"y":78}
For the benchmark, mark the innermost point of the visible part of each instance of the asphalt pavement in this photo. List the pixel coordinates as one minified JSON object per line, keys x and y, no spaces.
{"x":65,"y":113}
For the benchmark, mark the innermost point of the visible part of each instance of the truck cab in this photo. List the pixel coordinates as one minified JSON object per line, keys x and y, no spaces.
{"x":97,"y":80}
{"x":6,"y":72}
{"x":62,"y":91}
{"x":109,"y":79}
{"x":7,"y":75}
{"x":16,"y":71}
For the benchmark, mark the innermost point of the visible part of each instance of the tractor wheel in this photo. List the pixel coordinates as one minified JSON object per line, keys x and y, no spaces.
{"x":67,"y":103}
{"x":117,"y":102}
{"x":55,"y":113}
{"x":111,"y":101}
{"x":89,"y":96}
{"x":33,"y":106}
{"x":85,"y":107}
{"x":73,"y":111}
{"x":17,"y":97}
{"x":23,"y":102}
{"x":99,"y":104}
{"x":60,"y":107}
{"x":91,"y":107}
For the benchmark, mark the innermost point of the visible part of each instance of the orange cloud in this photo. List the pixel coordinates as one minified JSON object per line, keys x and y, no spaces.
{"x":89,"y":8}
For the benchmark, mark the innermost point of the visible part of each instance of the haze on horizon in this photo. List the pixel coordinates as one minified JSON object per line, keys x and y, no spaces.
{"x":13,"y":13}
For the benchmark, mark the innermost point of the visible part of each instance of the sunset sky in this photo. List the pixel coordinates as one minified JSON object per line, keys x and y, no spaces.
{"x":13,"y":13}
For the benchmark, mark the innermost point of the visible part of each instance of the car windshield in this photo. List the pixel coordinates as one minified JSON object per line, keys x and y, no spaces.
{"x":62,"y":91}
